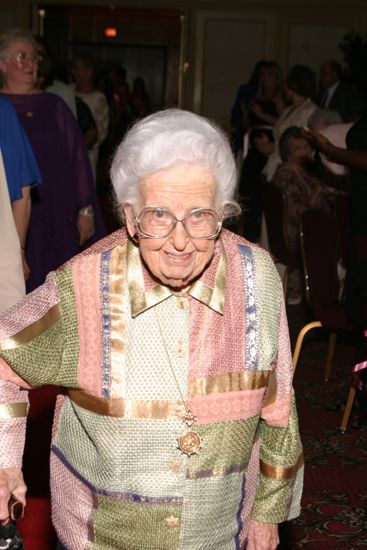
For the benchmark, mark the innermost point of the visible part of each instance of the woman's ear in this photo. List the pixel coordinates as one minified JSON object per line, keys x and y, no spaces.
{"x":129,"y":217}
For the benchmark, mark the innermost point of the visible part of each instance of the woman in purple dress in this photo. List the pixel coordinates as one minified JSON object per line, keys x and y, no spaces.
{"x":65,"y":214}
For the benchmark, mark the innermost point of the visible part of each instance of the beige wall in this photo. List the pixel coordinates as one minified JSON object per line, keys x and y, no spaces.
{"x":228,"y":46}
{"x":223,"y":39}
{"x":229,"y":42}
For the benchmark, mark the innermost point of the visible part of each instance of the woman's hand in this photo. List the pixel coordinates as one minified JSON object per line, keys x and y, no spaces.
{"x":26,"y":268}
{"x":317,"y":141}
{"x":11,"y":484}
{"x":262,"y":536}
{"x":86,"y":227}
{"x":352,"y":159}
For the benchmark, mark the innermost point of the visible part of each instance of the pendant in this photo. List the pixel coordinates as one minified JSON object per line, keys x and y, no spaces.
{"x":189,"y":418}
{"x":189,"y":443}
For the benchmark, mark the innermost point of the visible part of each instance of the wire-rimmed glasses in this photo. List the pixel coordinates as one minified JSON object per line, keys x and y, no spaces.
{"x":156,"y":222}
{"x":24,"y":57}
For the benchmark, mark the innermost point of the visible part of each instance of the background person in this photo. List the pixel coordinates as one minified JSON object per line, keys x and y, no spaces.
{"x":53,"y":77}
{"x":55,"y":81}
{"x":165,"y":435}
{"x":140,"y":100}
{"x":18,"y":173}
{"x":83,"y":74}
{"x":355,"y":291}
{"x":337,"y":95}
{"x":300,"y":88}
{"x":241,"y":107}
{"x":355,"y":158}
{"x":65,"y":215}
{"x":116,"y":87}
{"x":269,"y":101}
{"x":330,"y":124}
{"x":304,"y":185}
{"x":264,"y":111}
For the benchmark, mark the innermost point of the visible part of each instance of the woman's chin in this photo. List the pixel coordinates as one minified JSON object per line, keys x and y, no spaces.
{"x":176,"y":284}
{"x":176,"y":279}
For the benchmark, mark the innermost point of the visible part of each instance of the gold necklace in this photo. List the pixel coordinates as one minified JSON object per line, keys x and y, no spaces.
{"x":189,"y":442}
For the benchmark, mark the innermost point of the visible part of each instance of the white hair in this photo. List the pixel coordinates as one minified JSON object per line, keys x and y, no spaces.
{"x":168,"y":138}
{"x":323,"y":117}
{"x":14,"y":35}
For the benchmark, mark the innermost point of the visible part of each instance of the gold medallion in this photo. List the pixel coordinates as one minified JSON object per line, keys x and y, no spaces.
{"x":189,"y":443}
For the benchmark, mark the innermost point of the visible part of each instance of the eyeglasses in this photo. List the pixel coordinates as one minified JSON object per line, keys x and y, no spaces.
{"x":23,"y":57}
{"x":157,"y":223}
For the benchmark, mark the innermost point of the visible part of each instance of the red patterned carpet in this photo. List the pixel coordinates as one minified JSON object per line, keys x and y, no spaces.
{"x":334,"y":514}
{"x":334,"y":511}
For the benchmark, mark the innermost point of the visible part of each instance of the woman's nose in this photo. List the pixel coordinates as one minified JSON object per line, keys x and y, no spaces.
{"x":179,"y":236}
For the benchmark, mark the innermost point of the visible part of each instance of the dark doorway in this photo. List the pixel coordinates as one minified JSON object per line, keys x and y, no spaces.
{"x":145,"y":42}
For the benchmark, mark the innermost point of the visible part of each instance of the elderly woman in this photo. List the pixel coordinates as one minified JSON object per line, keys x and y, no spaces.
{"x":300,"y":87}
{"x":303,"y":181}
{"x":177,"y":427}
{"x":65,"y":214}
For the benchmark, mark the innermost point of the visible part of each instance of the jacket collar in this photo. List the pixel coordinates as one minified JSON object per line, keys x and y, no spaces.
{"x":145,"y":292}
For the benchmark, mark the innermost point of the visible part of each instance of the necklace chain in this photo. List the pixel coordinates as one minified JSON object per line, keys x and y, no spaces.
{"x":189,"y":442}
{"x":188,"y":418}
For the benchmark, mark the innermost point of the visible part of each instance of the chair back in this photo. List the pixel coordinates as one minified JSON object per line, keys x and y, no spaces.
{"x":275,"y":207}
{"x":342,"y":214}
{"x":319,"y":236}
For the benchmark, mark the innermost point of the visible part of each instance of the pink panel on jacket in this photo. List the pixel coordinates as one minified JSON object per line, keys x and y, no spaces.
{"x":86,"y":278}
{"x":277,"y":414}
{"x":7,"y":374}
{"x":234,"y":405}
{"x":70,"y":516}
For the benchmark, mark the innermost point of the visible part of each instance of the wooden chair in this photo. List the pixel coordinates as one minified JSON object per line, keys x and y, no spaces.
{"x":319,"y":245}
{"x":348,"y":409}
{"x":359,"y":254}
{"x":342,"y":214}
{"x":275,"y":207}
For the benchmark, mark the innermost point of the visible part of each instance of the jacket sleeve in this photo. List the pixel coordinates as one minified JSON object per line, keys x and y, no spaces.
{"x":31,"y":347}
{"x":280,"y":481}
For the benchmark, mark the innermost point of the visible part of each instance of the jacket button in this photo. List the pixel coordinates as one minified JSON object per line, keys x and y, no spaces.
{"x":172,"y":521}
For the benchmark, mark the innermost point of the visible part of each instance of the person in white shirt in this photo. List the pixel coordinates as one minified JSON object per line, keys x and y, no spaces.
{"x":96,"y":101}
